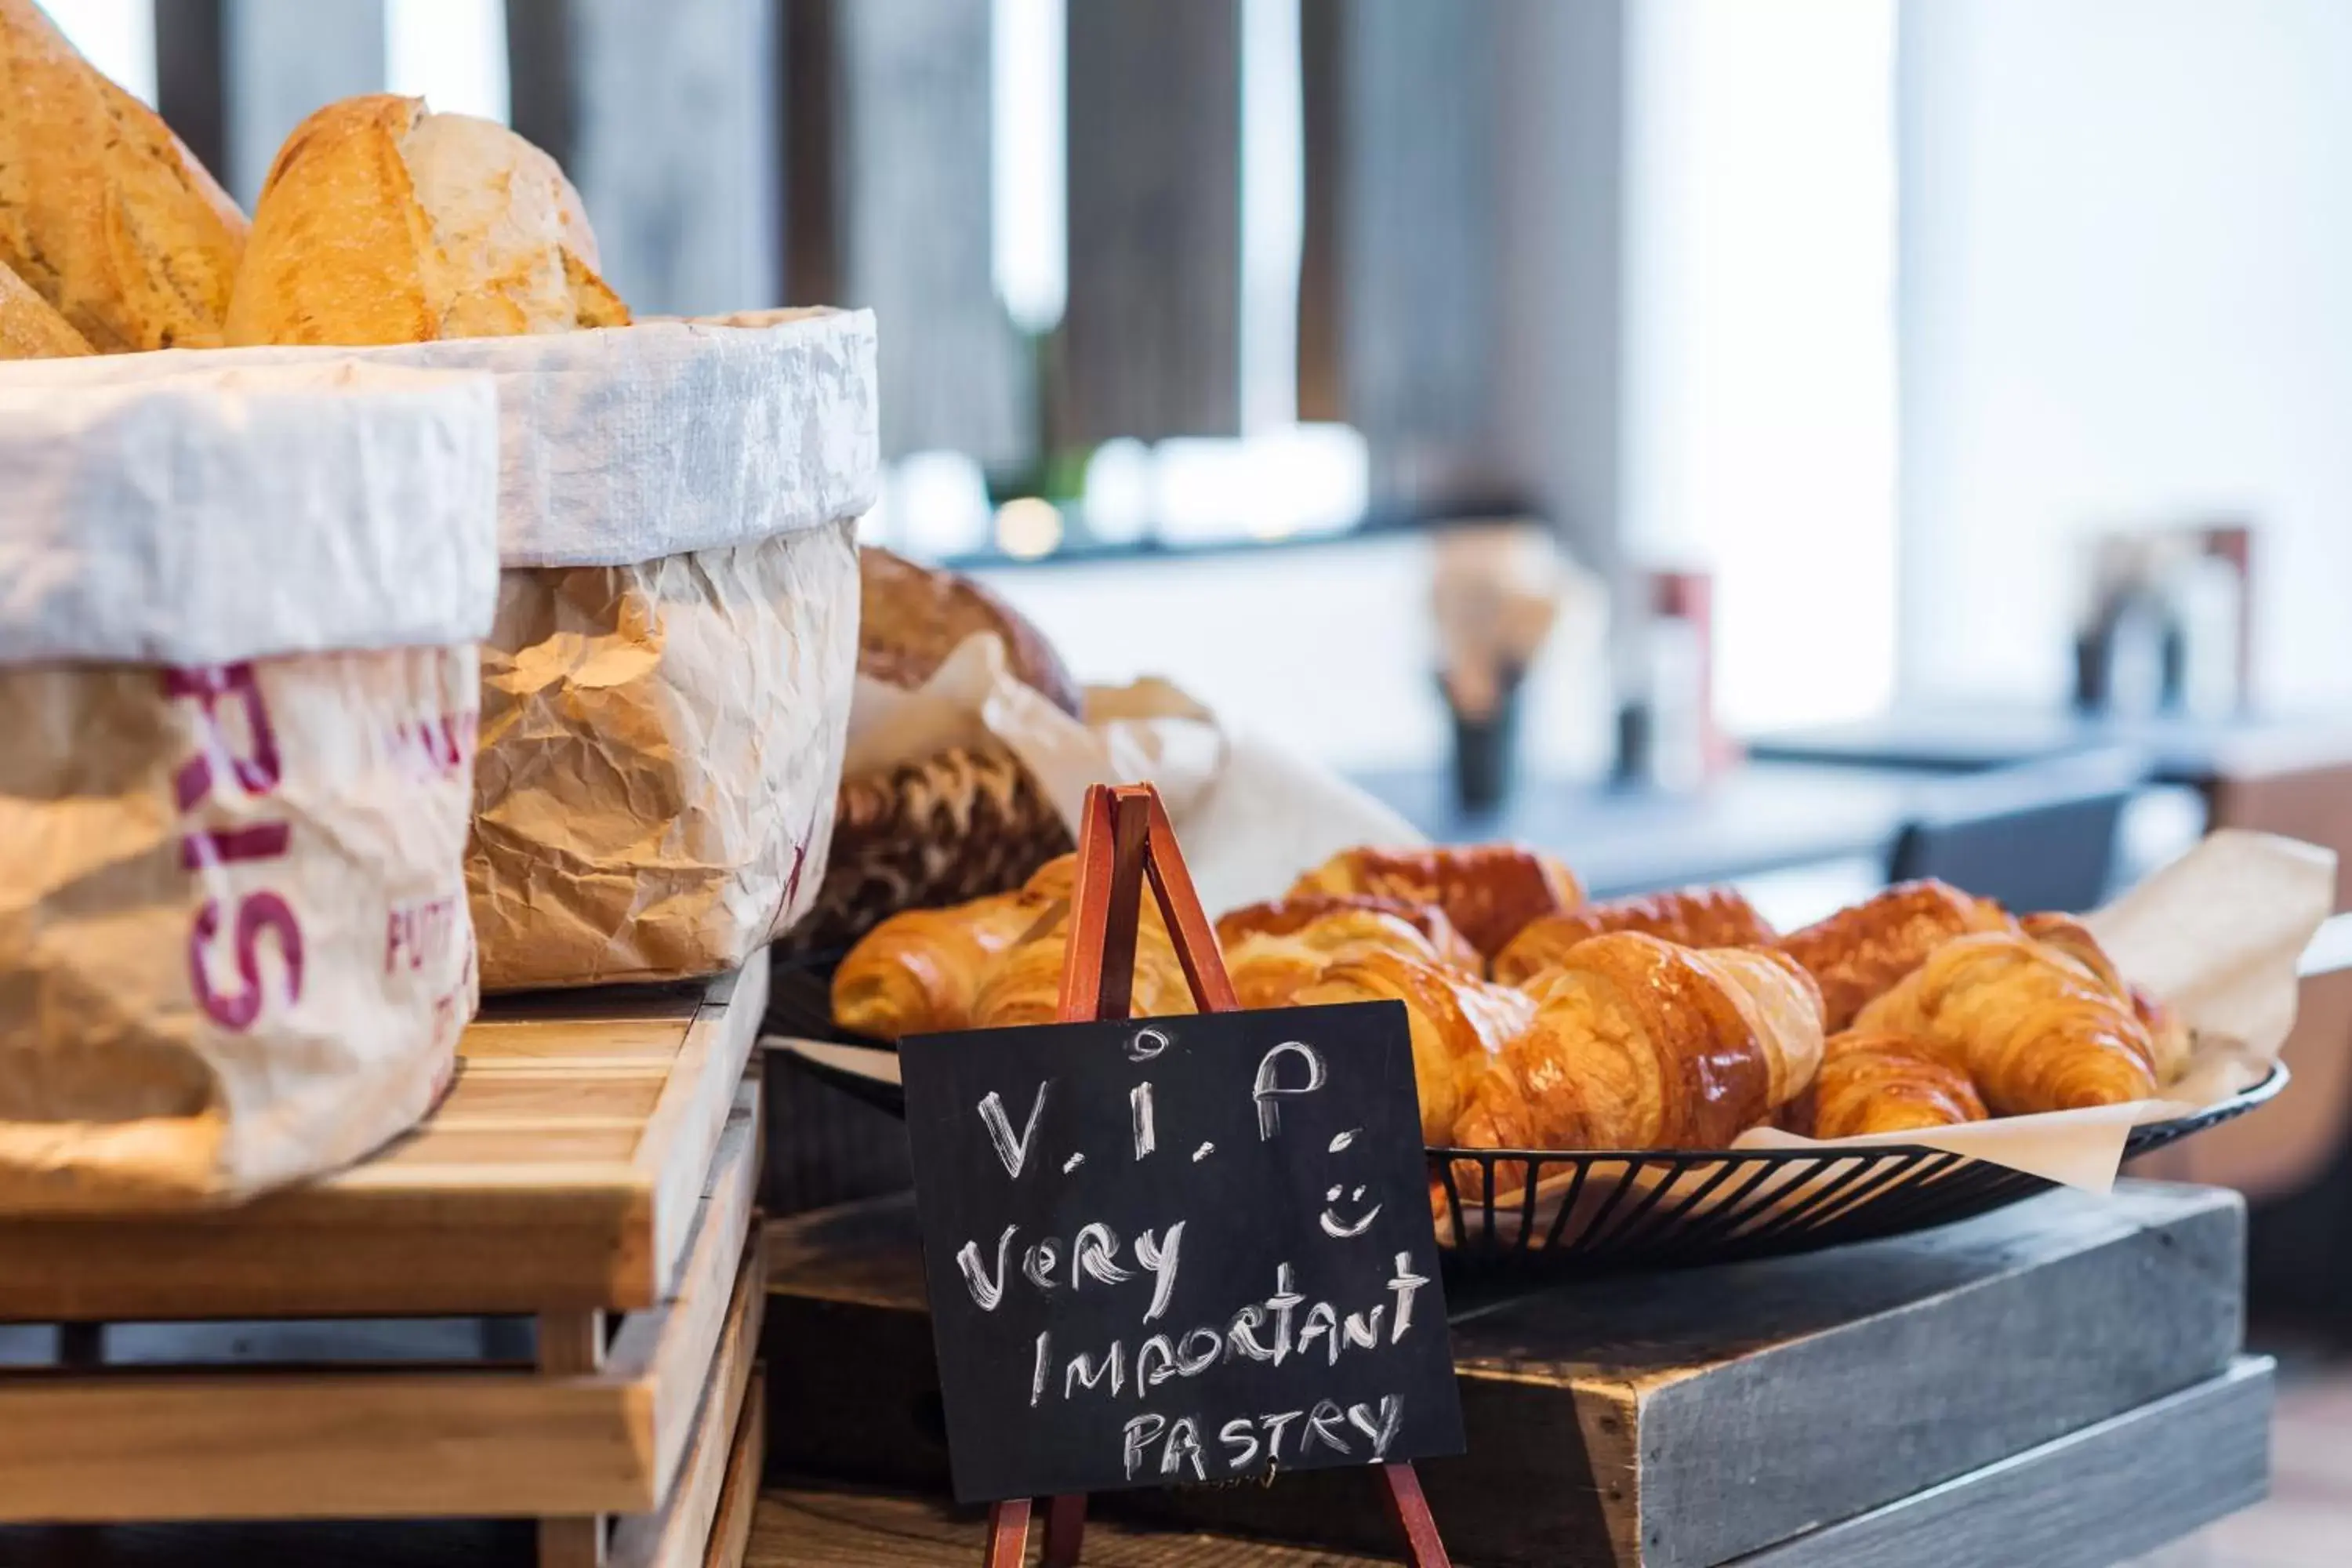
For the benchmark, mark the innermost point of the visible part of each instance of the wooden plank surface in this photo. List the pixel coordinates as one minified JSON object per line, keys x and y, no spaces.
{"x":415,"y":1440}
{"x":284,"y":58}
{"x":2110,"y":1491}
{"x":1699,"y":1415}
{"x":695,"y":1104}
{"x":560,"y":1173}
{"x":669,"y":1350}
{"x":674,"y":1535}
{"x":2092,"y":1498}
{"x":1419,"y":230}
{"x":807,"y":1528}
{"x":739,"y":1496}
{"x":665,"y":118}
{"x":1152,"y":334}
{"x":913,"y":155}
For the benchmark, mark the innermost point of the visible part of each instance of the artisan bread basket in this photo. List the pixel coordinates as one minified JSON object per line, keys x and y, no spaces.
{"x":666,"y":687}
{"x":239,"y":614}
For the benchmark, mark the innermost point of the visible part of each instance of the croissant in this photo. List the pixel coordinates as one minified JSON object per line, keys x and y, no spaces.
{"x":1267,"y":970}
{"x":1058,"y":879}
{"x":2034,"y":1029}
{"x":1024,"y":986}
{"x":1875,"y":1082}
{"x":2165,"y":1033}
{"x":918,"y":972}
{"x":1286,"y":917}
{"x":1488,"y":891}
{"x":1457,"y":1023}
{"x":1693,"y":917}
{"x":1638,"y":1043}
{"x":1858,"y":952}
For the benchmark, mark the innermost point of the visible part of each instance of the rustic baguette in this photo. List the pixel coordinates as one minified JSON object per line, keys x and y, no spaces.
{"x":29,"y":328}
{"x":381,"y":223}
{"x":103,"y":212}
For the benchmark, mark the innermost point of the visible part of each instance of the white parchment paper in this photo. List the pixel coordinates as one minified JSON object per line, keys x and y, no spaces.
{"x":2215,"y":935}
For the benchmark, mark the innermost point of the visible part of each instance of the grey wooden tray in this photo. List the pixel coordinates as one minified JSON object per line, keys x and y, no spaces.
{"x":1651,"y":1420}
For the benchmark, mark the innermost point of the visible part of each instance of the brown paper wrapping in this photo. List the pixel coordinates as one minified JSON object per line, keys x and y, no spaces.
{"x":660,"y":744}
{"x":232,"y":941}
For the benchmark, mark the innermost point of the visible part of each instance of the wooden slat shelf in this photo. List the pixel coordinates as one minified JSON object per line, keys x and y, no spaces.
{"x":2085,"y":1501}
{"x":349,"y":1350}
{"x":561,"y":1171}
{"x":400,"y":1441}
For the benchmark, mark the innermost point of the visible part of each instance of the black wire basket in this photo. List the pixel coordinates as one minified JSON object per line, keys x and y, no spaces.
{"x":1572,"y":1212}
{"x":1595,"y":1211}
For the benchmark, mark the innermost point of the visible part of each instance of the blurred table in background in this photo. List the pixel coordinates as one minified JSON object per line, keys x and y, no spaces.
{"x":1802,"y":840}
{"x":1957,"y":737}
{"x":1755,"y":819}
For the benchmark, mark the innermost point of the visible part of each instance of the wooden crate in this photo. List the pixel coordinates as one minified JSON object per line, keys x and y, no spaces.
{"x":1674,"y":1420}
{"x":594,"y":1172}
{"x":2088,"y":1499}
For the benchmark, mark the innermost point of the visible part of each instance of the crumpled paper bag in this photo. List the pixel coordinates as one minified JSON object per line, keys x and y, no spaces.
{"x":189,"y":1024}
{"x":643,"y":475}
{"x":238,"y":698}
{"x":1250,"y":814}
{"x":2215,"y":935}
{"x":660,"y":743}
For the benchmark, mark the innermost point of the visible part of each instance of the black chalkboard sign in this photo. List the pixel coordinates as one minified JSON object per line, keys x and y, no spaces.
{"x":1177,"y":1250}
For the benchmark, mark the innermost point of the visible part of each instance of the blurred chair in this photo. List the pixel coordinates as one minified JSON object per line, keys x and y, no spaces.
{"x":2293,"y":1159}
{"x":2038,"y":836}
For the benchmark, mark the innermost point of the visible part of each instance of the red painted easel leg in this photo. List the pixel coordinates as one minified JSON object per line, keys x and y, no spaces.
{"x":1008,"y":1533}
{"x":1065,"y":1528}
{"x":1423,"y":1548}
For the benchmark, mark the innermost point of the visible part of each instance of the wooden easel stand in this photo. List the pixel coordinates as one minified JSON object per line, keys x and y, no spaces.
{"x":1124,"y":839}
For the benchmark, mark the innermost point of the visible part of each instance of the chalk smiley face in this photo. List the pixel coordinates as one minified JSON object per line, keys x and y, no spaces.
{"x":1335,"y":1225}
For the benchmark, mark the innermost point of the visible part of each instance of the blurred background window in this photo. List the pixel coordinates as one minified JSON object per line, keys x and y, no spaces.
{"x":451,"y":53}
{"x":117,"y":36}
{"x":1865,"y":354}
{"x":1760,"y":321}
{"x":1028,"y":175}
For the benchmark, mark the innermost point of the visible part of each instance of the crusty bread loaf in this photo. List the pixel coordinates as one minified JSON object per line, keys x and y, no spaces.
{"x":29,"y":329}
{"x":381,"y":223}
{"x":103,"y":212}
{"x":911,"y":617}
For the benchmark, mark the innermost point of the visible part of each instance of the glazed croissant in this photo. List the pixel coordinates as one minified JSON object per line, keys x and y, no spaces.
{"x":1877,"y":1082}
{"x":1288,"y":917}
{"x":2167,"y":1036}
{"x":1267,"y":970}
{"x":1693,"y":917}
{"x":919,"y":972}
{"x":2034,"y":1029}
{"x":1638,"y":1043}
{"x":1458,"y":1023}
{"x":1488,"y":891}
{"x":1024,"y":986}
{"x":1859,"y":952}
